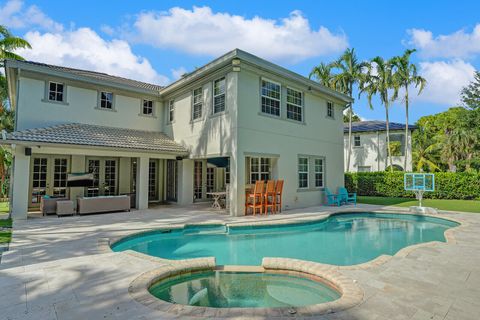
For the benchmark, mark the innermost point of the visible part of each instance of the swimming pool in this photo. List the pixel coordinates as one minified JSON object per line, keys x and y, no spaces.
{"x":340,"y":239}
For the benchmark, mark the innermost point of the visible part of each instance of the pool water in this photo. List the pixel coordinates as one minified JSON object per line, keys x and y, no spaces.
{"x":253,"y":290}
{"x":342,"y":239}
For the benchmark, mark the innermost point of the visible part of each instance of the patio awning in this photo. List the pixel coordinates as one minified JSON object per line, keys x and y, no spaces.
{"x":98,"y":136}
{"x":219,"y":162}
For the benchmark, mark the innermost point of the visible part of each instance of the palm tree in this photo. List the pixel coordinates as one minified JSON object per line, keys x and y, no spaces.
{"x":350,"y":74}
{"x":9,"y":43}
{"x":379,"y":80}
{"x":406,"y":75}
{"x":323,"y":74}
{"x":424,"y":151}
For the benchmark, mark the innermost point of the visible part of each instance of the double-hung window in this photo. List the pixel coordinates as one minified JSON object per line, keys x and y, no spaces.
{"x":197,"y":103}
{"x":303,"y":172}
{"x":147,"y":108}
{"x":294,"y":104}
{"x":56,"y":91}
{"x":271,"y":97}
{"x":356,"y":141}
{"x":259,"y":169}
{"x":330,"y":110}
{"x":219,"y":95}
{"x":171,"y":110}
{"x":318,"y":172}
{"x":106,"y":100}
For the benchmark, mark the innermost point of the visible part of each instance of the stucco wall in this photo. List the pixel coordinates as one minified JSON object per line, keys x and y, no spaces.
{"x":33,"y":111}
{"x":373,"y":151}
{"x":317,"y":136}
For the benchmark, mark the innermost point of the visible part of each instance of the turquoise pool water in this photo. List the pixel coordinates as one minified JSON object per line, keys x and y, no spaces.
{"x":253,"y":290}
{"x":342,"y":239}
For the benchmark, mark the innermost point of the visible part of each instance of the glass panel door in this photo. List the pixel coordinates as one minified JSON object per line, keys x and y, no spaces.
{"x":110,"y":178}
{"x":39,"y":180}
{"x":210,"y":180}
{"x":172,"y":180}
{"x":152,"y":180}
{"x":197,"y":180}
{"x":60,"y":167}
{"x":94,"y":167}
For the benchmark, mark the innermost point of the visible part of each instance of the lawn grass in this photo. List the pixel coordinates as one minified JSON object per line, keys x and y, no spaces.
{"x":4,"y":207}
{"x":441,"y":204}
{"x":5,"y":223}
{"x":5,"y":236}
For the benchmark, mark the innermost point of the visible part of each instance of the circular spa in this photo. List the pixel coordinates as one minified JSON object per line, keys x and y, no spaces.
{"x":219,"y":289}
{"x":340,"y":239}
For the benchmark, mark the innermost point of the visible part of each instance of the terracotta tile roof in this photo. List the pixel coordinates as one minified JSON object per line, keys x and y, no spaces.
{"x":100,"y":136}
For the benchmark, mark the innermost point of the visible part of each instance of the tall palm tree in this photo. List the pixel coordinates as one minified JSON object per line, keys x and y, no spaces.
{"x":9,"y":43}
{"x":323,"y":74}
{"x":406,"y":75}
{"x":379,"y":80}
{"x":350,"y":74}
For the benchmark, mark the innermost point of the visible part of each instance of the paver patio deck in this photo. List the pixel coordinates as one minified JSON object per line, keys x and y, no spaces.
{"x":55,"y":270}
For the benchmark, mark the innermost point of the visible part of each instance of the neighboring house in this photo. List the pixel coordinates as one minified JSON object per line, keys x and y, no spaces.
{"x":231,"y":122}
{"x":369,"y":146}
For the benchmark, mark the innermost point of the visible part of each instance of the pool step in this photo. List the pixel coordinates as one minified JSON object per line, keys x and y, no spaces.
{"x":206,"y":229}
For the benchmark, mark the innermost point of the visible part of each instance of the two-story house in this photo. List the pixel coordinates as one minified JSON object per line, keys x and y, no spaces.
{"x":233,"y":121}
{"x":369,"y":146}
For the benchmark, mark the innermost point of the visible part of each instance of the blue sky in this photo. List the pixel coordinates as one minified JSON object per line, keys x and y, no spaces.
{"x":157,"y":41}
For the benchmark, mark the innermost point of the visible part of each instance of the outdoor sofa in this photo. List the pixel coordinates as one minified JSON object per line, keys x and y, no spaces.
{"x":86,"y":205}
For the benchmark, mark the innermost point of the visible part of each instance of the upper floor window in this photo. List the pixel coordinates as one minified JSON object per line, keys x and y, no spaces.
{"x":147,"y":108}
{"x":356,"y":141}
{"x":219,"y":95}
{"x":56,"y":91}
{"x":294,"y":104}
{"x":106,"y":100}
{"x":197,"y":103}
{"x":302,"y":172}
{"x":330,"y":110}
{"x":171,"y":110}
{"x":270,"y":92}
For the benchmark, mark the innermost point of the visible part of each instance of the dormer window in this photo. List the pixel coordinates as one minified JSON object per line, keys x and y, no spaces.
{"x":106,"y":100}
{"x":56,"y":91}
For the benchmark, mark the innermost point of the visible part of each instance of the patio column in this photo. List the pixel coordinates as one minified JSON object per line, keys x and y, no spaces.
{"x":237,"y":185}
{"x":185,"y":182}
{"x":142,"y":183}
{"x":19,"y":190}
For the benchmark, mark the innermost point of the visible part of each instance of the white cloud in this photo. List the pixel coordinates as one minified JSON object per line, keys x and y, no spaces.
{"x":14,"y":15}
{"x":84,"y":48}
{"x":178,"y":72}
{"x":201,"y":31}
{"x":445,"y":80}
{"x":460,"y":44}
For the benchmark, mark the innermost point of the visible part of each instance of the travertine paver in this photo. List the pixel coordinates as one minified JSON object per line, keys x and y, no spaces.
{"x":55,"y":270}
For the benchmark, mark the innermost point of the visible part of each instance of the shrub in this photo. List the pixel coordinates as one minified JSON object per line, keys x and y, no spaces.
{"x":448,"y":185}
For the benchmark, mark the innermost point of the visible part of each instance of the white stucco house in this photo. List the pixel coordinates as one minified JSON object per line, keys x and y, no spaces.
{"x":237,"y":119}
{"x":369,"y":146}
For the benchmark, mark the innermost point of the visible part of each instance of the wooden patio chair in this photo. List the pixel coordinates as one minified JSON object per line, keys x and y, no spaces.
{"x":254,"y":200}
{"x":269,"y":197}
{"x":278,"y":195}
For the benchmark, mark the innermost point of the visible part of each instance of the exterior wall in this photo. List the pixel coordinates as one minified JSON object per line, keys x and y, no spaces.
{"x":81,"y":107}
{"x":260,"y":134}
{"x":373,"y":151}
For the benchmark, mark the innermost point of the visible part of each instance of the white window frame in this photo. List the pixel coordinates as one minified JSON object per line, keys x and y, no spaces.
{"x":224,"y":94}
{"x":295,"y":105}
{"x":260,"y":172}
{"x":100,"y":100}
{"x":330,"y":110}
{"x":307,"y":172}
{"x":355,"y":141}
{"x":271,"y":98}
{"x":56,"y":92}
{"x":171,"y":111}
{"x":142,"y":112}
{"x":315,"y":172}
{"x":197,"y":103}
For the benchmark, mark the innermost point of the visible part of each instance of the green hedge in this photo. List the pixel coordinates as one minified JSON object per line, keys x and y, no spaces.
{"x":448,"y":185}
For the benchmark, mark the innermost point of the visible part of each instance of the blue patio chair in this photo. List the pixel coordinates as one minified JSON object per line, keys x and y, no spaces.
{"x":332,"y":199}
{"x":347,"y":197}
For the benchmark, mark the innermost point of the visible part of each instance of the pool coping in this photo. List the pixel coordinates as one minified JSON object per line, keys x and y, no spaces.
{"x":351,"y":293}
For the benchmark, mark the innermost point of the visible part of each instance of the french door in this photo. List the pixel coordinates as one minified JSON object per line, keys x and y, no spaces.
{"x":152,"y":180}
{"x":105,"y":177}
{"x":172,"y":180}
{"x":49,"y":177}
